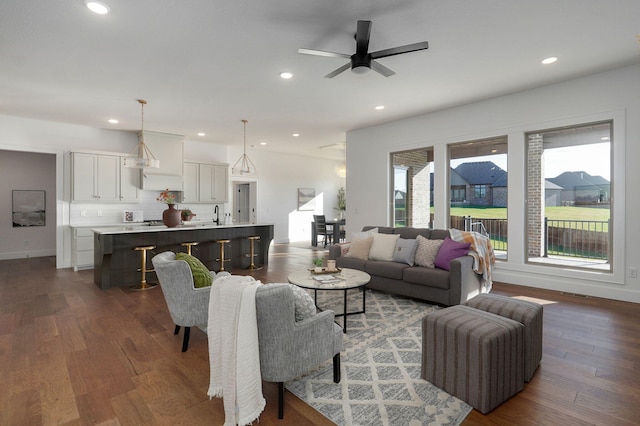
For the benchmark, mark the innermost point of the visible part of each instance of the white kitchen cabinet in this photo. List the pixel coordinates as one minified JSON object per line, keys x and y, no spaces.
{"x":212,"y":183}
{"x":205,"y":183}
{"x":82,"y":248}
{"x":95,"y":177}
{"x":190,"y":190}
{"x":129,"y":183}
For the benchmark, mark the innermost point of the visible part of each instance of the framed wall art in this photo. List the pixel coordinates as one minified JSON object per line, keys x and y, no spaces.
{"x":306,"y":199}
{"x":28,"y":208}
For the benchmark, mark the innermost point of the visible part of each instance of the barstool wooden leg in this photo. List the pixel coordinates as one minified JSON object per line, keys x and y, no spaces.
{"x":144,"y":285}
{"x":252,"y":253}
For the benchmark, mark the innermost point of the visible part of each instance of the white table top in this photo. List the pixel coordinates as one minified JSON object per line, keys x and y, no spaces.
{"x":346,"y":279}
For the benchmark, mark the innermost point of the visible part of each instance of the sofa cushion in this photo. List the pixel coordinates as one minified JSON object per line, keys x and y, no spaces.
{"x":386,"y":269}
{"x":202,"y":277}
{"x":439,"y":234}
{"x":427,"y":251}
{"x":351,"y":262}
{"x":360,"y":248}
{"x":412,"y":233}
{"x":383,"y":246}
{"x":429,"y":277}
{"x":448,"y":251}
{"x":405,"y":251}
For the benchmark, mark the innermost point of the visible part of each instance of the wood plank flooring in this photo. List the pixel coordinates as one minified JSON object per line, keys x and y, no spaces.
{"x":73,"y":354}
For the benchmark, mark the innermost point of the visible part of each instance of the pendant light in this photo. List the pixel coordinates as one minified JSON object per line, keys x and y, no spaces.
{"x":244,"y":166}
{"x":141,"y":157}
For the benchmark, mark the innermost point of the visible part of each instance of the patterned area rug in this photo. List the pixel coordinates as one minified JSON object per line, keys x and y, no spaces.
{"x":380,"y":366}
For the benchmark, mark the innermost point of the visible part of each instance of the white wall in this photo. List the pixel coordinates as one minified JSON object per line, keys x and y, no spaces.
{"x":279,"y":177}
{"x":33,"y":241}
{"x":610,"y":95}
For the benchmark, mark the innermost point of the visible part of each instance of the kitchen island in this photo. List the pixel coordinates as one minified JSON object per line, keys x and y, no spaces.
{"x":117,"y":264}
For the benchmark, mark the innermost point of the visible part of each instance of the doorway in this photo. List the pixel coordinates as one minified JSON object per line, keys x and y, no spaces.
{"x":244,"y":202}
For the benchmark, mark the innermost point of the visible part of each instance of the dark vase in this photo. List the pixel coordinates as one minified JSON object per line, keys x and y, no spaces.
{"x":171,"y":216}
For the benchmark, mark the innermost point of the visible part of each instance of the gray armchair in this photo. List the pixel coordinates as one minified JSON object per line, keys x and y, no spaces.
{"x":288,"y":348}
{"x":188,"y":306}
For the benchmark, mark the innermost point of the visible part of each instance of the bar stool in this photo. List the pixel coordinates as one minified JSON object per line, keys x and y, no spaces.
{"x":252,"y":253}
{"x":144,"y":285}
{"x":189,"y":245}
{"x":222,"y":258}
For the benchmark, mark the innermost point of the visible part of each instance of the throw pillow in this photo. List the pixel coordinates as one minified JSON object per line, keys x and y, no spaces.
{"x":448,"y":251}
{"x":383,"y":246}
{"x":201,"y":275}
{"x":426,"y":251}
{"x":405,"y":251}
{"x":360,"y":248}
{"x":363,"y":235}
{"x":305,"y":306}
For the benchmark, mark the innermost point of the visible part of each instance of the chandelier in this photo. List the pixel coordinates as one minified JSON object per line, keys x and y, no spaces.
{"x":244,"y":166}
{"x":141,"y":157}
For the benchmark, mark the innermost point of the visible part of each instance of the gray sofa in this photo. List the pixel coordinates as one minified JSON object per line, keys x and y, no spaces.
{"x":443,"y":287}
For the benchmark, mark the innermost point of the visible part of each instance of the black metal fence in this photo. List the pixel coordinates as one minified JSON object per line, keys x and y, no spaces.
{"x":572,"y":238}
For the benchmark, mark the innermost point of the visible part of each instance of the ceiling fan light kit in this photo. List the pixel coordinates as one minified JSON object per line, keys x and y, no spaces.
{"x":362,"y":61}
{"x":141,"y":156}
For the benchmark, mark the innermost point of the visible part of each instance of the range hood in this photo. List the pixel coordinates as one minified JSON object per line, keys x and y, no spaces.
{"x":169,"y":150}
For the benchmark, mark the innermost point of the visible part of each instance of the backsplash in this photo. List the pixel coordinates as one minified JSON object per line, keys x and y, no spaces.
{"x":111,"y":213}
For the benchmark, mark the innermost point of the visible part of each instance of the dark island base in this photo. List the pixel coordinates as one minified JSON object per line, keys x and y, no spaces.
{"x":117,"y":264}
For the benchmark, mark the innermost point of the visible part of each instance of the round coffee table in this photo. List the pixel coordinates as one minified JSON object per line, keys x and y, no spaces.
{"x":344,"y":280}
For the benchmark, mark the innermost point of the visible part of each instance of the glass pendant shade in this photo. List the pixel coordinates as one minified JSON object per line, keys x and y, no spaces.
{"x":141,"y":156}
{"x":244,"y":166}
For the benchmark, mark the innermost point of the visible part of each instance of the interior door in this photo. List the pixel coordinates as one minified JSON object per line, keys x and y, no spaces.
{"x":242,"y":198}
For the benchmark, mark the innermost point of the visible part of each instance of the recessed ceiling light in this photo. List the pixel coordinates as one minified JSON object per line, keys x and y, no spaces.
{"x":549,"y":60}
{"x":97,"y":7}
{"x":286,"y":75}
{"x":295,"y":135}
{"x":202,"y":134}
{"x":605,"y":138}
{"x":112,"y":121}
{"x":379,"y":107}
{"x":263,"y":143}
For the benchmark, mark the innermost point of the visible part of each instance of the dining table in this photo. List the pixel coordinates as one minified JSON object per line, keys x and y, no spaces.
{"x":336,"y":224}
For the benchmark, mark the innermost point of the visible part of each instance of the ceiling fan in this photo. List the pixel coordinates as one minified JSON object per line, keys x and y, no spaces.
{"x":362,"y":61}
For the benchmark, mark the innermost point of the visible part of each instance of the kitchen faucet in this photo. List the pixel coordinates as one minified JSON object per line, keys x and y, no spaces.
{"x":217,"y":219}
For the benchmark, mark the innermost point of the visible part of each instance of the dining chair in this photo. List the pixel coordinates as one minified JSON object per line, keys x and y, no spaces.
{"x":320,"y":223}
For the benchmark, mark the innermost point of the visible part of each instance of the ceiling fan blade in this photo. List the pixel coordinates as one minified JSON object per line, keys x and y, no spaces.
{"x":381,"y":69}
{"x":362,"y":37}
{"x":339,"y":70}
{"x":323,"y":53}
{"x":400,"y":49}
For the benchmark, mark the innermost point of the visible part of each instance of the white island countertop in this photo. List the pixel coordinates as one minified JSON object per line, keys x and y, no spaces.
{"x":137,"y":228}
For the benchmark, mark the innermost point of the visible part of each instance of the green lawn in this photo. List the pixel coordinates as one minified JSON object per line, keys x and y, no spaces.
{"x":552,"y":213}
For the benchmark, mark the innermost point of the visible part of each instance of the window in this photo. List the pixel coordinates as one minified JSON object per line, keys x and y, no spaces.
{"x":569,"y":196}
{"x":480,"y":193}
{"x":411,"y":196}
{"x":478,"y":188}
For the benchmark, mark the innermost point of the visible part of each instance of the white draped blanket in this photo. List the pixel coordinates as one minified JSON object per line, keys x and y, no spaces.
{"x":234,"y":356}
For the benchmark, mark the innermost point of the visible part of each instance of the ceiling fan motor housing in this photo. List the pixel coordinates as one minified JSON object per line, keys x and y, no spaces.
{"x":360,"y":64}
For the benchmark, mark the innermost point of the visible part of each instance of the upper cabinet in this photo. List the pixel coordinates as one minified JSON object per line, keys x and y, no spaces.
{"x":101,"y":178}
{"x":206,"y":183}
{"x":169,"y":150}
{"x":95,"y":177}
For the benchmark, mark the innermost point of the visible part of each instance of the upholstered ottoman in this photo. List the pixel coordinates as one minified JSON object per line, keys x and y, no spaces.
{"x":474,"y":355}
{"x":529,"y":314}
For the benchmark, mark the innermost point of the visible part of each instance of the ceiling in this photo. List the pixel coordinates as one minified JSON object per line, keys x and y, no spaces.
{"x":204,"y":65}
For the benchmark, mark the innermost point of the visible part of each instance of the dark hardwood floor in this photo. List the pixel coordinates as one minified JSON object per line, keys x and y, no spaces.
{"x":73,"y":354}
